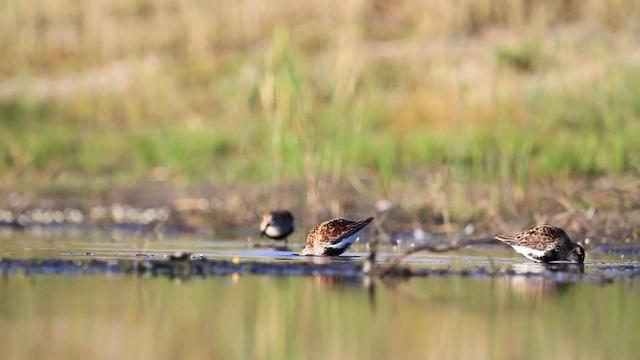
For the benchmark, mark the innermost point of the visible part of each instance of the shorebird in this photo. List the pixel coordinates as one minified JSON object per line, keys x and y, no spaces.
{"x":333,"y":237}
{"x":277,"y":224}
{"x":545,"y":243}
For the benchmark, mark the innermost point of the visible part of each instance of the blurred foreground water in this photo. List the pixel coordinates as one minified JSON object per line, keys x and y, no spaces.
{"x":116,"y":316}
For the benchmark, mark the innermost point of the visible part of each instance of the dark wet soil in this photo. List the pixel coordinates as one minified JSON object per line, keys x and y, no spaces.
{"x":603,"y":209}
{"x":603,"y":214}
{"x":187,"y":265}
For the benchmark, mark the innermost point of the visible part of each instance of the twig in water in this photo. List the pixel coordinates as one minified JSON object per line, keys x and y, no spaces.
{"x":440,"y":247}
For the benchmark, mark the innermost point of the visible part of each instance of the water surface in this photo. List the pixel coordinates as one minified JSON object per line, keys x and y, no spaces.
{"x":109,"y":317}
{"x":116,"y":316}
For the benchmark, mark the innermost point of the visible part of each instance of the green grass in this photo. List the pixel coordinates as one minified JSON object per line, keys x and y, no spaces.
{"x":274,"y":103}
{"x":564,"y":135}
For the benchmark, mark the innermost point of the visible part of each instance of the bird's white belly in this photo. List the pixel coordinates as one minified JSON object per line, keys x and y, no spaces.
{"x":529,"y":253}
{"x":273,"y":231}
{"x":346,"y":242}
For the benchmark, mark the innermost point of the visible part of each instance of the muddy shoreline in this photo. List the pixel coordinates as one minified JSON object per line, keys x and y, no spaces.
{"x":598,"y":273}
{"x":602,"y":211}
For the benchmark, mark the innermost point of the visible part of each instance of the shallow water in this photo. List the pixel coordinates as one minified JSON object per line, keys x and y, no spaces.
{"x":315,"y":317}
{"x":113,"y":317}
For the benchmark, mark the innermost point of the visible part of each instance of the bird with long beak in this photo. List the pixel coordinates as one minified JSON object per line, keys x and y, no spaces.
{"x":333,"y":237}
{"x":545,"y":244}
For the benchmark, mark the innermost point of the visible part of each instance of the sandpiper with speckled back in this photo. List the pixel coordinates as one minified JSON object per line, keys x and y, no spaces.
{"x":277,"y":224}
{"x":545,"y":243}
{"x":334,"y":237}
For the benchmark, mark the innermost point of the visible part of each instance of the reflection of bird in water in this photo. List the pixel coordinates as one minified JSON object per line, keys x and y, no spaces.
{"x":536,"y":288}
{"x":331,"y":282}
{"x":277,"y":224}
{"x":333,"y":237}
{"x":545,"y":243}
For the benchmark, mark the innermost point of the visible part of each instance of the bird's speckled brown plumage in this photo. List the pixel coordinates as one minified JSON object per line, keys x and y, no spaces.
{"x":545,"y":243}
{"x":333,"y":237}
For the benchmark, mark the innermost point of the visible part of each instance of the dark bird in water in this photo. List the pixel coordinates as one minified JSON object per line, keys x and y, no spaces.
{"x":333,"y":237}
{"x":277,"y":224}
{"x":545,"y":244}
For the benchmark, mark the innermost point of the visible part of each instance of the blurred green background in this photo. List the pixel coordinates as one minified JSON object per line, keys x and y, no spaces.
{"x":96,"y":94}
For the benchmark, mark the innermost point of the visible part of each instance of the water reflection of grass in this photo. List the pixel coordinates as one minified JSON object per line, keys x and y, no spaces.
{"x":232,"y":92}
{"x":295,"y":317}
